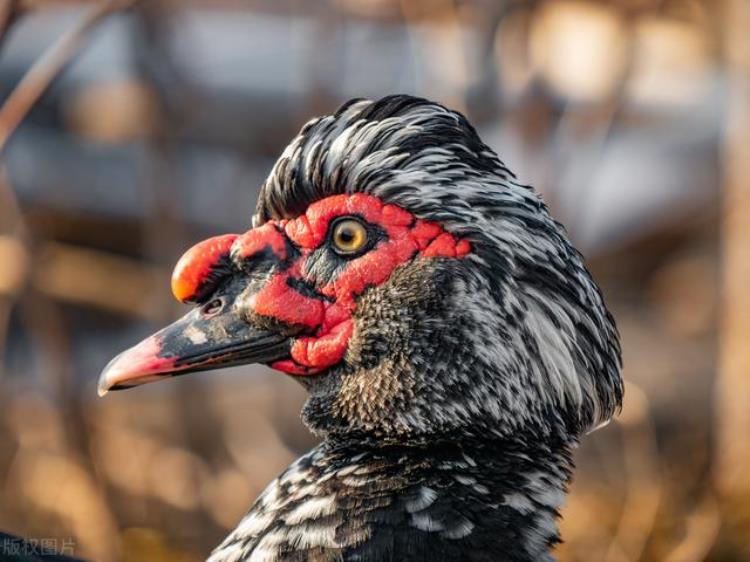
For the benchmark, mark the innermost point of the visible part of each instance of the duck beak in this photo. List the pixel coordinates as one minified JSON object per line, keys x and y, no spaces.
{"x":195,"y":342}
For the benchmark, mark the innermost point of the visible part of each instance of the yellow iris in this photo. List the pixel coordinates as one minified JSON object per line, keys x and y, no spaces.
{"x":349,"y":236}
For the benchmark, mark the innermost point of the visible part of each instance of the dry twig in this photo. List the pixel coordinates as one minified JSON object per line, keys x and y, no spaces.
{"x":9,"y":12}
{"x":734,"y":382}
{"x":48,"y":67}
{"x":645,"y":487}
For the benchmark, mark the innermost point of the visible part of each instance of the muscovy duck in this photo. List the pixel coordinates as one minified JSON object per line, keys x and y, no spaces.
{"x":453,"y":344}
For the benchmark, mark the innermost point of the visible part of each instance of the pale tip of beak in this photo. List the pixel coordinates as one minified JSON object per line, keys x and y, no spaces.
{"x":137,"y":365}
{"x":105,"y":378}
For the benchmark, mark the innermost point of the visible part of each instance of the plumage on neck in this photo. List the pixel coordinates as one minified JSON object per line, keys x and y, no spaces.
{"x":472,"y":499}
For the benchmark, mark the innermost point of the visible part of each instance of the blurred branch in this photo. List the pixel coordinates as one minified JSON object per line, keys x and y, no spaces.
{"x":13,"y":255}
{"x":81,"y":275}
{"x":734,"y":368}
{"x":733,"y":385}
{"x":641,"y":456}
{"x":702,"y":528}
{"x":48,"y":67}
{"x":72,"y":274}
{"x":26,"y":94}
{"x":43,"y":317}
{"x":9,"y":12}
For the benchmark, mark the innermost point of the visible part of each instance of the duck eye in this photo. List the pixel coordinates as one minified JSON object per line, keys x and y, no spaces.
{"x":349,"y":236}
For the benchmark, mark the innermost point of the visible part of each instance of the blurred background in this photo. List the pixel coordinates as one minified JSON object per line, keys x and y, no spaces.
{"x":130,"y":130}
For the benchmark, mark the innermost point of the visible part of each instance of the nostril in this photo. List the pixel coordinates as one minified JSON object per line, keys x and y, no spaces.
{"x":212,"y":307}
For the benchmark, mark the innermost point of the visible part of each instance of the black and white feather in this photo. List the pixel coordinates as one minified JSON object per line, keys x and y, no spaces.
{"x":448,"y":429}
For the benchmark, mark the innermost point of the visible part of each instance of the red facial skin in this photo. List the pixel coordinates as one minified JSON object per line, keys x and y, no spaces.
{"x":330,"y":320}
{"x":194,"y":267}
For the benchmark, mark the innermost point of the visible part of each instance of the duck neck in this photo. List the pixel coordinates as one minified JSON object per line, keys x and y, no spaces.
{"x":500,"y":495}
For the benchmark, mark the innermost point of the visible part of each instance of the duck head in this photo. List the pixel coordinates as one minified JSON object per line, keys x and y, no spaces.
{"x":399,"y":272}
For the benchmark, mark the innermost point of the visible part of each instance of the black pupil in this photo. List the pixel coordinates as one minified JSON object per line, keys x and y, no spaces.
{"x":346,"y":235}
